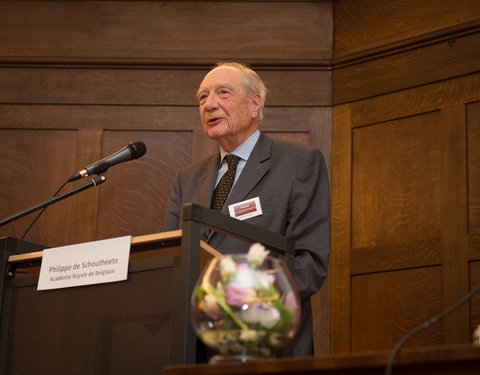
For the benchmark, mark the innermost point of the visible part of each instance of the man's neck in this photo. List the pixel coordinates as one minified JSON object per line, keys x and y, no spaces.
{"x":229,"y":145}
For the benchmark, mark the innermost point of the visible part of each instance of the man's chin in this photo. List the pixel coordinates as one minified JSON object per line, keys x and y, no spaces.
{"x":215,"y":134}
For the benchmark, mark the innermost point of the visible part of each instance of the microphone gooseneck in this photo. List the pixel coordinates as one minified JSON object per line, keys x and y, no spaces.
{"x":425,"y":325}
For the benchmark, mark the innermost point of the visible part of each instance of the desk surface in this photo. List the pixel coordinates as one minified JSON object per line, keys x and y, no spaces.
{"x":458,"y":359}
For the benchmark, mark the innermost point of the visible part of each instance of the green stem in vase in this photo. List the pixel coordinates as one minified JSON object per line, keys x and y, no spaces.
{"x":208,"y":288}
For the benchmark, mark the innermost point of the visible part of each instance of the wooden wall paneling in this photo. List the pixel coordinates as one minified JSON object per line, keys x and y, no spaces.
{"x":298,"y":137}
{"x":445,"y":130}
{"x":396,"y":182}
{"x":473,"y":144}
{"x":410,"y":69}
{"x":341,"y":233}
{"x":312,"y":125}
{"x":416,"y":100}
{"x":413,"y":67}
{"x":166,"y":31}
{"x":33,"y":167}
{"x":387,"y":305}
{"x":370,"y":24}
{"x":409,"y":254}
{"x":321,"y":304}
{"x":93,"y":117}
{"x":473,"y":245}
{"x":80,"y":85}
{"x":89,"y":150}
{"x":287,"y":119}
{"x":396,"y":200}
{"x":147,"y":86}
{"x":202,"y":146}
{"x":473,"y":163}
{"x":297,"y":86}
{"x":320,"y":133}
{"x":454,"y":222}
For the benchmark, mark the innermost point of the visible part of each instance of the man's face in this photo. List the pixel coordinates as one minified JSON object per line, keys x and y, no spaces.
{"x":226,"y":114}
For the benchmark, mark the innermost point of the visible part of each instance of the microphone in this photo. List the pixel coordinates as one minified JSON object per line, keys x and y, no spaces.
{"x":133,"y":150}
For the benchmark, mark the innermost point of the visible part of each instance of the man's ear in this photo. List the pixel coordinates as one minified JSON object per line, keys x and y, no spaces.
{"x":257,"y":105}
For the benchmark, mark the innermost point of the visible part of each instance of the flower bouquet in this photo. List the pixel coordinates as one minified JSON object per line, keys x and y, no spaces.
{"x":245,"y":306}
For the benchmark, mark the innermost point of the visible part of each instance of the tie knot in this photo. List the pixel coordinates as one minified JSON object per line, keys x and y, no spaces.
{"x":232,"y":160}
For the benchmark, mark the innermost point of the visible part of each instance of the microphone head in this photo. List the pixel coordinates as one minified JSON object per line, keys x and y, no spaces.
{"x":137,"y":149}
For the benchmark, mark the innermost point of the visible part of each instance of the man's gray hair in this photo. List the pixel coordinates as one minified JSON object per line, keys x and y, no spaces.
{"x":252,"y":83}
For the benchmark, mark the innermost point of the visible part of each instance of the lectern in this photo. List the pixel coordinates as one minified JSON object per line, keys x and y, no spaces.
{"x":135,"y":326}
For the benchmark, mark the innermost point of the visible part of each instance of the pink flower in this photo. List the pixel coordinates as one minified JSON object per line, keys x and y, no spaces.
{"x":238,"y":295}
{"x":292,"y":303}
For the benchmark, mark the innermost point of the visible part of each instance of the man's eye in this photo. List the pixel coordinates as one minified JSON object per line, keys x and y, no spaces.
{"x":202,"y":98}
{"x":223,"y":93}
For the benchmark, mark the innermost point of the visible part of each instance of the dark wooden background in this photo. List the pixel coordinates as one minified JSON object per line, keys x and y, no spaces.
{"x":388,"y":90}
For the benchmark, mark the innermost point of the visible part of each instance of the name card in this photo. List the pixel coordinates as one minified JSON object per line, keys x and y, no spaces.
{"x":87,"y":263}
{"x":246,"y":209}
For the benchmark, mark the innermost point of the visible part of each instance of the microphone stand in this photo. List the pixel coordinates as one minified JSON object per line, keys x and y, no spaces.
{"x":93,"y":182}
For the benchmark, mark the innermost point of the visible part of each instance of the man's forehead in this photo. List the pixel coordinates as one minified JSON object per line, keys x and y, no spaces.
{"x":224,"y":76}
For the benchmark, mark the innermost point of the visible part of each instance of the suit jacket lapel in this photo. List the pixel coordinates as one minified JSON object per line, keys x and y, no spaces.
{"x":253,"y":172}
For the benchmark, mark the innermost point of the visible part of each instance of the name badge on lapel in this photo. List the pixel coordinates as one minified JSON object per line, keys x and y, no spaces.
{"x":246,"y":209}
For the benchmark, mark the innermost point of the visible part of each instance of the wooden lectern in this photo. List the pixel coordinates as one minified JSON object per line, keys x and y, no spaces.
{"x":137,"y":326}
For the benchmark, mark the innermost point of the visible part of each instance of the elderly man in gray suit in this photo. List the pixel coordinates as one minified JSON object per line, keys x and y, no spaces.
{"x":288,"y":181}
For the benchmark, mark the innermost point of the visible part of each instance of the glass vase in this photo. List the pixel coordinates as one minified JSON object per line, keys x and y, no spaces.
{"x":245,"y":309}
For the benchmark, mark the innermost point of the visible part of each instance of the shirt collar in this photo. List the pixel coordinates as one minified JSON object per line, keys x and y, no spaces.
{"x":245,"y":149}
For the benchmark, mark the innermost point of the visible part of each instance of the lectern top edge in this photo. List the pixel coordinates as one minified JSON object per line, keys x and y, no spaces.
{"x":137,"y":240}
{"x":163,"y":236}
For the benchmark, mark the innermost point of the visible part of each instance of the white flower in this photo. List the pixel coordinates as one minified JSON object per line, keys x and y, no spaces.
{"x":245,"y":275}
{"x":257,"y":254}
{"x":261,"y":313}
{"x":269,"y":317}
{"x":265,"y":280}
{"x":228,"y":267}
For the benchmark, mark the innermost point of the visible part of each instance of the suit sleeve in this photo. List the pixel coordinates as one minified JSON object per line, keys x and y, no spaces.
{"x":309,"y":223}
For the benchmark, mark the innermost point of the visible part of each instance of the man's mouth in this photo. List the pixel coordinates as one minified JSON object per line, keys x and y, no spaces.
{"x":214,"y":120}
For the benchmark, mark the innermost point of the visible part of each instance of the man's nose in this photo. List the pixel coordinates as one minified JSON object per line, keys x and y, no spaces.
{"x":211,"y":102}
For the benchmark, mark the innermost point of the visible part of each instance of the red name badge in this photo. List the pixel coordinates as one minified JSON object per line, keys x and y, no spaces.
{"x":246,"y":209}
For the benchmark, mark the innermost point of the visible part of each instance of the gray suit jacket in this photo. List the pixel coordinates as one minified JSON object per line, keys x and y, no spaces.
{"x":292,"y":184}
